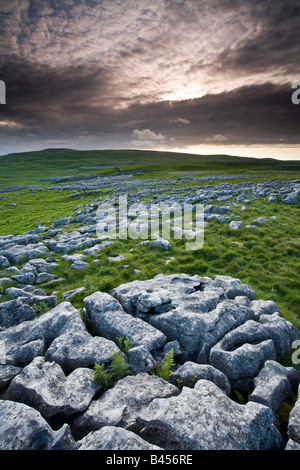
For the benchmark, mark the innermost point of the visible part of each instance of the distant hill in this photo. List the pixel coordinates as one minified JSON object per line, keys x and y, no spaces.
{"x":31,"y":167}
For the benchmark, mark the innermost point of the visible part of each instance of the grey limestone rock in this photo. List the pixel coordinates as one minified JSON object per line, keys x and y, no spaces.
{"x":272,"y":384}
{"x":4,"y":263}
{"x":190,"y":372}
{"x":32,"y":338}
{"x":114,"y":438}
{"x":14,"y":312}
{"x":161,"y":244}
{"x":7,"y":373}
{"x":44,"y":386}
{"x":233,"y":287}
{"x":120,"y":405}
{"x":32,"y":431}
{"x":204,"y":418}
{"x":242,"y":352}
{"x":71,"y":293}
{"x":105,"y":316}
{"x":294,"y":423}
{"x":17,"y":253}
{"x":80,"y":349}
{"x":79,"y":265}
{"x":140,"y":359}
{"x":236,"y":224}
{"x":291,"y":198}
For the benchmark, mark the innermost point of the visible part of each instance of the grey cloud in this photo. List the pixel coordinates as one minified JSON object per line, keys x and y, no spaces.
{"x":194,"y":71}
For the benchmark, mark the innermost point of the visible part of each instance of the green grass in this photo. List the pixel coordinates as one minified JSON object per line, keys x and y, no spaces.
{"x":266,"y":259}
{"x":30,"y":168}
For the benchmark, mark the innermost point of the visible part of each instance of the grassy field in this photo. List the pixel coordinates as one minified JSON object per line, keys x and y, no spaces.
{"x":30,"y":168}
{"x":266,"y":259}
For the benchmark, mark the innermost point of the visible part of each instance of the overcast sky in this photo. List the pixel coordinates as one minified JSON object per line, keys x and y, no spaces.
{"x":190,"y":75}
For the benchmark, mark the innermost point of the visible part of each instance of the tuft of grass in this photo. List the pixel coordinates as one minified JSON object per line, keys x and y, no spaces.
{"x":124,"y":344}
{"x":118,"y":369}
{"x":163,"y":369}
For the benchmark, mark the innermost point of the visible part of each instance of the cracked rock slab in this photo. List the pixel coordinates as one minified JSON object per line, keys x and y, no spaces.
{"x":272,"y":385}
{"x":120,"y":405}
{"x":44,"y":386}
{"x":204,"y":418}
{"x":80,"y":349}
{"x":104,"y":316}
{"x":32,"y":432}
{"x":32,"y":338}
{"x":114,"y":438}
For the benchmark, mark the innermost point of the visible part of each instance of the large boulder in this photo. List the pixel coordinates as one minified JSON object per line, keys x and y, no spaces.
{"x":80,"y":349}
{"x":114,"y":438}
{"x":120,"y":405}
{"x":294,"y":425}
{"x":14,"y":312}
{"x":105,"y":316}
{"x":23,"y":428}
{"x":204,"y":418}
{"x":32,"y":338}
{"x":44,"y":386}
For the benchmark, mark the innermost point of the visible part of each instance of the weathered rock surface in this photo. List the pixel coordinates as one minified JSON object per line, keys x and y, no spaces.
{"x":223,"y":340}
{"x":273,"y":384}
{"x":80,"y":349}
{"x":190,"y":372}
{"x":14,"y":312}
{"x":294,"y":425}
{"x":32,"y":338}
{"x":113,"y":438}
{"x":121,"y":405}
{"x":44,"y":386}
{"x":105,"y":316}
{"x":32,"y":432}
{"x":189,"y":420}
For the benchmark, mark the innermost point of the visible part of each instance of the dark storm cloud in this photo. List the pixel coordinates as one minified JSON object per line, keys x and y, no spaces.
{"x":262,"y":114}
{"x":161,"y":72}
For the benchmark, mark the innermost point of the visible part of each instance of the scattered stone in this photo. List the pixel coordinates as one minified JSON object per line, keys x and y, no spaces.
{"x":291,"y":198}
{"x":43,"y":277}
{"x":78,"y":265}
{"x":236,"y":224}
{"x":161,"y":244}
{"x":116,"y":258}
{"x":273,"y":198}
{"x":259,"y":221}
{"x":73,"y":258}
{"x":71,"y":293}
